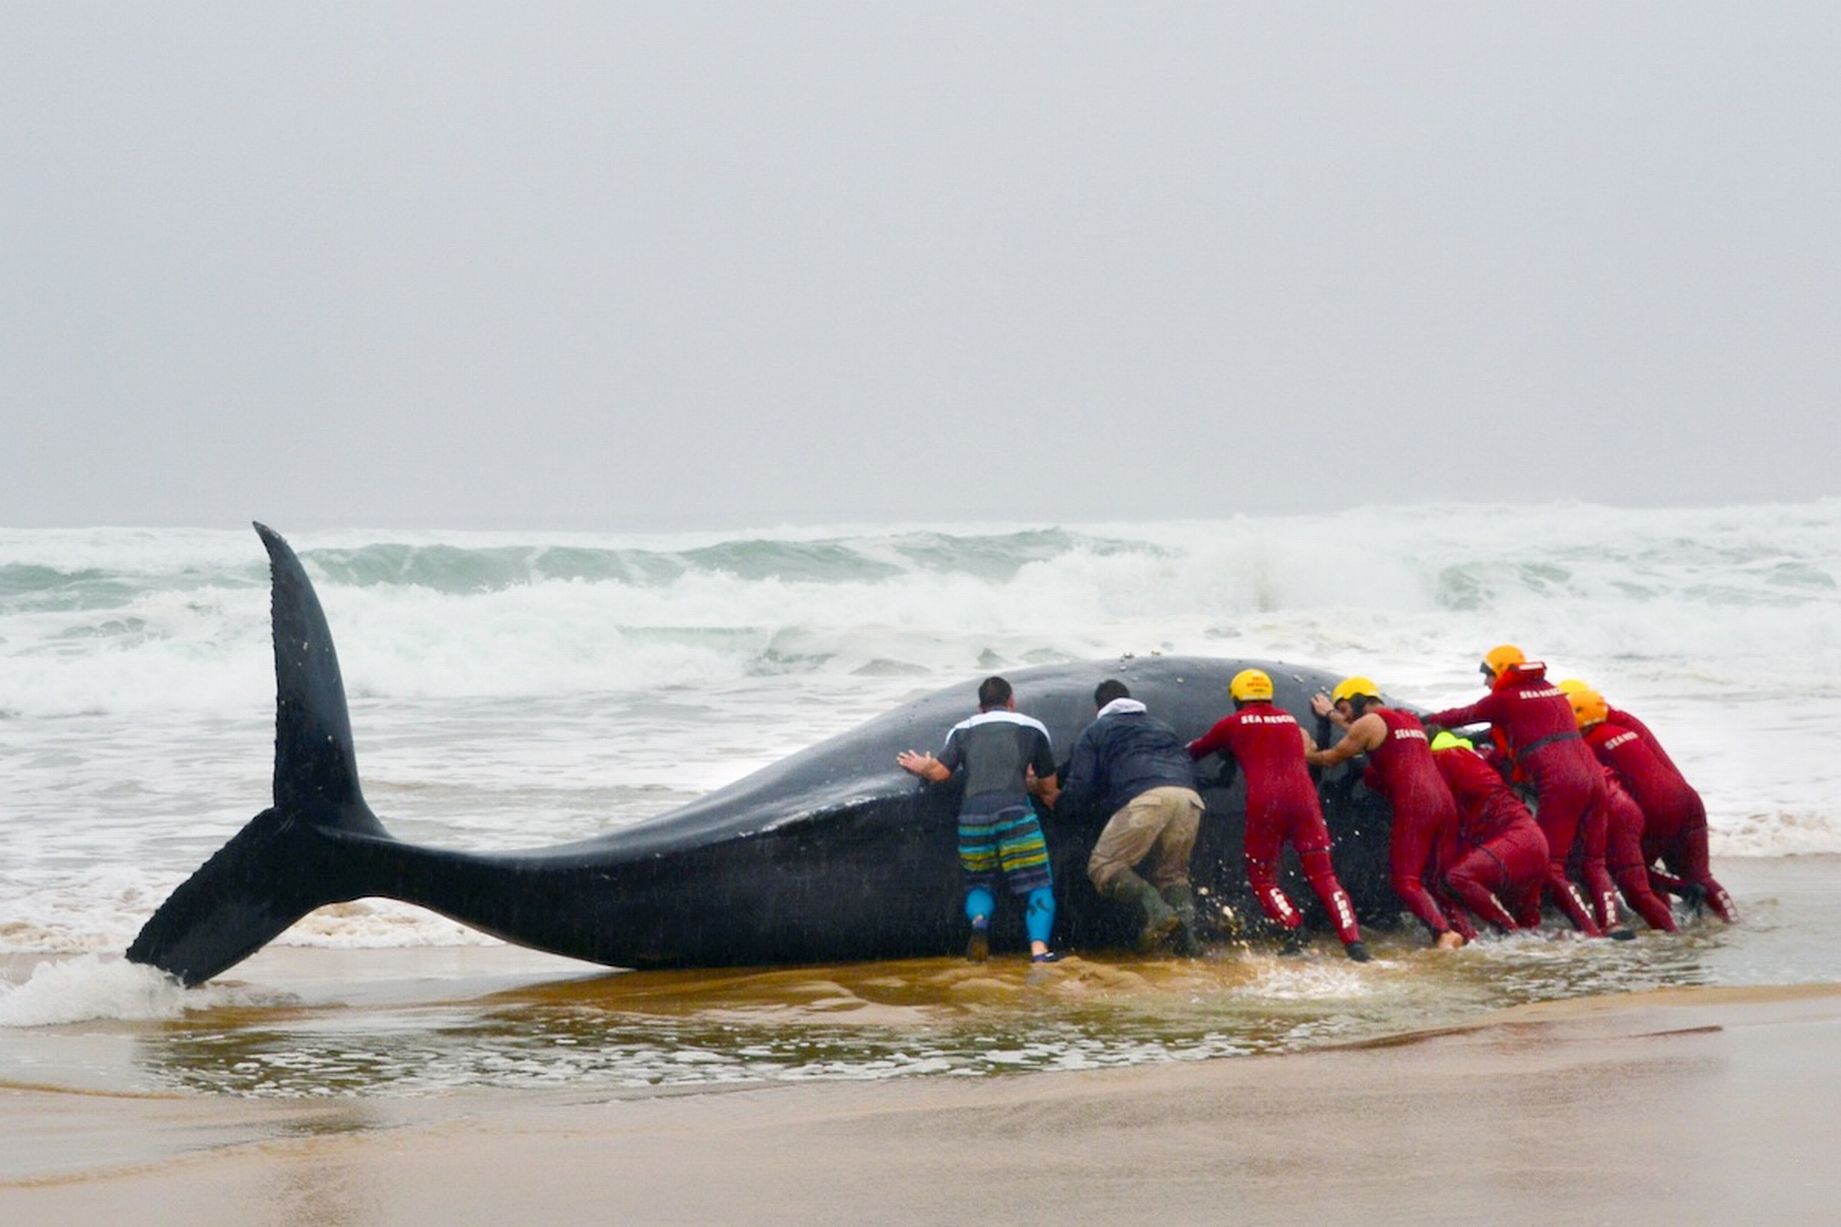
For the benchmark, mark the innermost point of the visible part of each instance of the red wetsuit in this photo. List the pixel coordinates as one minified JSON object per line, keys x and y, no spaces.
{"x":1533,"y":720}
{"x":1674,"y":818}
{"x":1281,"y":806}
{"x":1624,"y":854}
{"x":1425,"y":816}
{"x":1501,"y":861}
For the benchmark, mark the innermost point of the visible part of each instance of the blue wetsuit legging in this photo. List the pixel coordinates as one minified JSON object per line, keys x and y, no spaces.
{"x":1038,"y":909}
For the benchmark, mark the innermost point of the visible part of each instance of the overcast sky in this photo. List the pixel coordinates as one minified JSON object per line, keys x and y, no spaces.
{"x":650,"y":266}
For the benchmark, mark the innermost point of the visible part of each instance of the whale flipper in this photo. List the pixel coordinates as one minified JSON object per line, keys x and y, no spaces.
{"x":278,"y":867}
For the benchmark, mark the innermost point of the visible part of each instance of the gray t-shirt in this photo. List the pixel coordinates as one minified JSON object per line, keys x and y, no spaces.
{"x":996,"y":750}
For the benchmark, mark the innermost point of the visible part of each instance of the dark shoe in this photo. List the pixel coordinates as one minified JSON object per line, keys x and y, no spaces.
{"x":1047,"y":956}
{"x":1295,"y":943}
{"x":1357,"y":952}
{"x":1622,"y":933}
{"x":978,"y":949}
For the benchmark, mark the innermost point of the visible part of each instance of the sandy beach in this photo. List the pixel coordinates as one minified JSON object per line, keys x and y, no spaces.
{"x":1675,"y":1106}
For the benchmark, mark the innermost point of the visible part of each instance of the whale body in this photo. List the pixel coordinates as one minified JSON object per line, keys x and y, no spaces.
{"x":832,"y":854}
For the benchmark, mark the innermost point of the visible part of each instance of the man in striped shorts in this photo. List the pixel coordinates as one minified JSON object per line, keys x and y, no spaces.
{"x":1005,"y":757}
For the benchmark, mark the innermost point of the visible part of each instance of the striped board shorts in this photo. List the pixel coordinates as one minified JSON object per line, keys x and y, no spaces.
{"x":1009,"y":840}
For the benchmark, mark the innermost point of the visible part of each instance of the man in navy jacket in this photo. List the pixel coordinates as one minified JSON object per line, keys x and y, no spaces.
{"x":1133,"y":766}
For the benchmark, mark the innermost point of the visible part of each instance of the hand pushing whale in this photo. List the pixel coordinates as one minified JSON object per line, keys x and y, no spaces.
{"x":832,"y":854}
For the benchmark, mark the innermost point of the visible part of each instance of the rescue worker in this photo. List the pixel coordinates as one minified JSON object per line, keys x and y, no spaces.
{"x":1267,"y":744}
{"x":1135,"y":767}
{"x":1006,"y":758}
{"x":1501,"y":860}
{"x":1674,"y":817}
{"x":1531,"y":723}
{"x":1623,"y":854}
{"x":1400,"y":768}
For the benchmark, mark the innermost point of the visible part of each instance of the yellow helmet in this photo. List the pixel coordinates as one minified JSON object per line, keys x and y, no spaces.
{"x":1445,"y":739}
{"x":1572,"y":686}
{"x":1501,"y":657}
{"x":1349,"y":687}
{"x":1589,"y":707}
{"x":1250,"y":686}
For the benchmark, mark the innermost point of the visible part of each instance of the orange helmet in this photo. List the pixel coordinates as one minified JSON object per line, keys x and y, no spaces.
{"x":1501,"y":657}
{"x":1589,"y":707}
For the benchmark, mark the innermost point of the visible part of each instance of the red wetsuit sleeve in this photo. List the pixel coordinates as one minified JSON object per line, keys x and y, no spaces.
{"x":1480,"y":712}
{"x":1408,"y":852}
{"x":1214,"y":740}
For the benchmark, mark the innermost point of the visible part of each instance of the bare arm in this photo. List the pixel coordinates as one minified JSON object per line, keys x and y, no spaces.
{"x":1320,"y":703}
{"x":1364,"y":735}
{"x":926,"y":766}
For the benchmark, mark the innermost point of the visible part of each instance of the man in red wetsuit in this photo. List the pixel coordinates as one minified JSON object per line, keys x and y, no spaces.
{"x":1400,"y":768}
{"x":1267,"y":744}
{"x":1674,"y":817}
{"x":1501,"y":858}
{"x":1531,"y":722}
{"x":1623,"y":854}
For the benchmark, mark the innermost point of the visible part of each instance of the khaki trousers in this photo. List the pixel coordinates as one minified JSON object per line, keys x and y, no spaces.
{"x":1159,"y":824}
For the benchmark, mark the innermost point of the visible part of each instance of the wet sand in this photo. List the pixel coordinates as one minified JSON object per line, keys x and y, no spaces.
{"x":1677,"y":1106}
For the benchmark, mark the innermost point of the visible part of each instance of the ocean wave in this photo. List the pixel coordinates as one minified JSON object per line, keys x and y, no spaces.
{"x":1757,"y":587}
{"x":544,"y":681}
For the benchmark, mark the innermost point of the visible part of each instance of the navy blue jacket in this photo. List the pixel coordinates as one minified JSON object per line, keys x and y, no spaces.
{"x":1122,"y":755}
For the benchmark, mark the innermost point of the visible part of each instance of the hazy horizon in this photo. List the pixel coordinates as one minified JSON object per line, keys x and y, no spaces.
{"x":656,"y":268}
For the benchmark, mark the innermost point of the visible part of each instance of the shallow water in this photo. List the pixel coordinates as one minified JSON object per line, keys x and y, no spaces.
{"x":307,"y":1023}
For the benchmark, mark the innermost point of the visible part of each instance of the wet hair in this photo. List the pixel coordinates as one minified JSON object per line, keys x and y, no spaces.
{"x":993,"y":692}
{"x":1108,"y":690}
{"x":1360,"y":703}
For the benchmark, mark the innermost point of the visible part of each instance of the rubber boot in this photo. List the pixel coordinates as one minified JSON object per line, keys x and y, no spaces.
{"x":1181,"y":898}
{"x":1296,"y":942}
{"x":1159,"y":921}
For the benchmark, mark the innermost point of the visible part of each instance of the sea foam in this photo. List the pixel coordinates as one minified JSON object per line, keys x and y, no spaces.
{"x":95,"y":987}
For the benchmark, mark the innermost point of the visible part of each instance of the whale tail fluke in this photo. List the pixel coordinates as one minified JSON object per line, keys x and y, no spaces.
{"x":281,"y":865}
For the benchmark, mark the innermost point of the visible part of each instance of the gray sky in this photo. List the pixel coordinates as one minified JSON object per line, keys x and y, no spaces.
{"x":650,"y":266}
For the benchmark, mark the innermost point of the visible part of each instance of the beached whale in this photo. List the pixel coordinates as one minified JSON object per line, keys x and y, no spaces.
{"x":832,"y":854}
